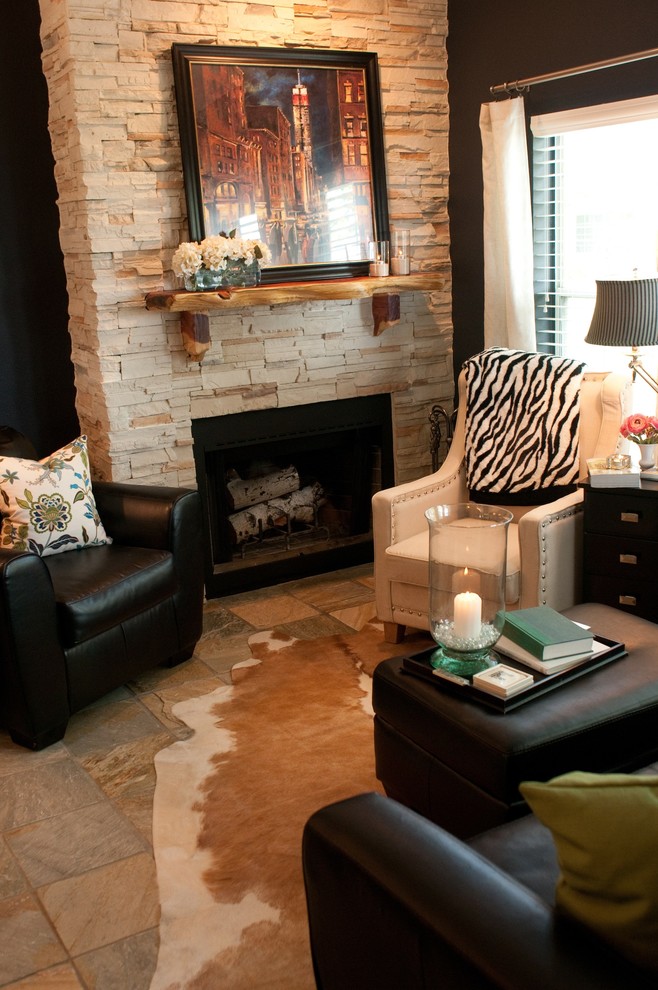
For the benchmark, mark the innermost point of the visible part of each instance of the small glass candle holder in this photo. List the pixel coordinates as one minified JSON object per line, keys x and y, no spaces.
{"x":468,"y":552}
{"x":378,"y":257}
{"x":400,"y":252}
{"x":618,"y":462}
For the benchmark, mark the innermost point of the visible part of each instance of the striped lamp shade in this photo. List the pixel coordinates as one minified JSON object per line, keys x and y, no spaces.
{"x":625,"y":313}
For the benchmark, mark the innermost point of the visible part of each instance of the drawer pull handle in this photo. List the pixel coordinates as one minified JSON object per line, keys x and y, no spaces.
{"x":627,"y":600}
{"x":627,"y":558}
{"x":632,"y":517}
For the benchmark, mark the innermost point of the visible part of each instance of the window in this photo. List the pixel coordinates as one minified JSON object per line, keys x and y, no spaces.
{"x":595,"y":215}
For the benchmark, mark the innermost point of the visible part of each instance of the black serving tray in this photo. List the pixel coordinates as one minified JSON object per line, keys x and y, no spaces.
{"x":418,"y":665}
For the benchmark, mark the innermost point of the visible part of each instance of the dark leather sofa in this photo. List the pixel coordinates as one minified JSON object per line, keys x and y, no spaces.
{"x":397,"y":903}
{"x":76,"y":625}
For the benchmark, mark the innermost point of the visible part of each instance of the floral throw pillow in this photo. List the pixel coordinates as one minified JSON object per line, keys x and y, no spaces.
{"x":48,"y":506}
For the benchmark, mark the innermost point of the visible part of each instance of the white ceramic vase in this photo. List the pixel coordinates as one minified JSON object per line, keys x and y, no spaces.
{"x":647,"y":455}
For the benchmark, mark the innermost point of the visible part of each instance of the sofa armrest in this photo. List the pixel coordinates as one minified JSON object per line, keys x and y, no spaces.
{"x":162,"y":518}
{"x":394,"y":901}
{"x":550,"y":541}
{"x":398,"y":512}
{"x":33,"y":684}
{"x":140,"y":515}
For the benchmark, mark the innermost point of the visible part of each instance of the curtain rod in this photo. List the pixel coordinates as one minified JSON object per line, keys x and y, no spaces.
{"x":520,"y":84}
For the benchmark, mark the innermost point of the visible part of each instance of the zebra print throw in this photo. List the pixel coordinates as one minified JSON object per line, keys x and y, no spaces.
{"x":522,"y":421}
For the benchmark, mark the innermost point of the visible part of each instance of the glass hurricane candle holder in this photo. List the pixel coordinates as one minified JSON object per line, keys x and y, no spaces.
{"x":468,"y":554}
{"x":400,"y":257}
{"x":378,"y":257}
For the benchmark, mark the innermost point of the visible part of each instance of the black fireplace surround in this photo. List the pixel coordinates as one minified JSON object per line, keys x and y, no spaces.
{"x":342,"y":447}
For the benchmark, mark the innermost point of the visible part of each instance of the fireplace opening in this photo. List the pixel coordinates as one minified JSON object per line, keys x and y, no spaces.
{"x":287,"y":492}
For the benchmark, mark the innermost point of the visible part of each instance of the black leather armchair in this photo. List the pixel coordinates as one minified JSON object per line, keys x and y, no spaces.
{"x":76,"y":625}
{"x":397,"y":903}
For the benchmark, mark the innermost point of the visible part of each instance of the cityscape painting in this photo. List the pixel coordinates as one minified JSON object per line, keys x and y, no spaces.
{"x":285,"y":146}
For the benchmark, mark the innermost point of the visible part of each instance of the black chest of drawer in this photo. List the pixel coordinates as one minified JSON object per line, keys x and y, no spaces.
{"x":621,"y":549}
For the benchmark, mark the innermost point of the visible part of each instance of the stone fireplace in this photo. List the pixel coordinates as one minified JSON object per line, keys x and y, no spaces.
{"x":114,"y":132}
{"x":286,"y":495}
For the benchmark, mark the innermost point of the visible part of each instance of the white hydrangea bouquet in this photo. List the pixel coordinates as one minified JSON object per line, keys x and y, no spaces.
{"x":222,"y":259}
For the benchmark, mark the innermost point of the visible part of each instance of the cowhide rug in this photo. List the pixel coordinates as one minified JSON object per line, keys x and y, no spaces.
{"x":293,"y":733}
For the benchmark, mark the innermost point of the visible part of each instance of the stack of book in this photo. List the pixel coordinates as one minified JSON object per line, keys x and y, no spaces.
{"x":602,"y":476}
{"x":547,"y":641}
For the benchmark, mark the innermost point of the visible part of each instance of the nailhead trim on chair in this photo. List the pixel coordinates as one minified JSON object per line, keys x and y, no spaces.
{"x":421,"y":494}
{"x":565,"y":514}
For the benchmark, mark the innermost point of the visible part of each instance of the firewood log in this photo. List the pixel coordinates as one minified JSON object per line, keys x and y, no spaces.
{"x":299,"y":506}
{"x":252,"y":491}
{"x":253,"y":521}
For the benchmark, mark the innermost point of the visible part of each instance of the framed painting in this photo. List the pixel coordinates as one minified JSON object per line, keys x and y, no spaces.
{"x":284,"y":145}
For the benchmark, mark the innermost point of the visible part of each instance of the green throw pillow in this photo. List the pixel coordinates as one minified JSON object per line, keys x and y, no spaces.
{"x":605,"y":828}
{"x":48,"y":506}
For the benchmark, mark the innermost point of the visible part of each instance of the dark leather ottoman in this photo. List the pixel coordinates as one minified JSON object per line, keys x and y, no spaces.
{"x":460,"y":764}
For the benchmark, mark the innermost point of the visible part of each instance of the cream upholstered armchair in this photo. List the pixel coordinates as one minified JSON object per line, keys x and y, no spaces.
{"x":545,"y":541}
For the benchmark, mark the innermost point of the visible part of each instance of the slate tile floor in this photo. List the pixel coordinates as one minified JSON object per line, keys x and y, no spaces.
{"x":78,"y":893}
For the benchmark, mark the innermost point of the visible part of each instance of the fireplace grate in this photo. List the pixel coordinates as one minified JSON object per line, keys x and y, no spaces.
{"x":272,"y":541}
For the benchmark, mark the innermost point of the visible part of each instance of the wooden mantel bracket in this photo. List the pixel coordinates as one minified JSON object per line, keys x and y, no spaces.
{"x":194,"y":307}
{"x":385,"y":311}
{"x":195,"y":329}
{"x":194,"y":326}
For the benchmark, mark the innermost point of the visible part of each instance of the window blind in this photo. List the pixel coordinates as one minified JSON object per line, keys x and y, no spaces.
{"x":546,"y":173}
{"x":552,"y":300}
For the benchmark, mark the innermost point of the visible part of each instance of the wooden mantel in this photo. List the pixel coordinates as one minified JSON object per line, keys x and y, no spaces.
{"x":194,"y":307}
{"x":179,"y":301}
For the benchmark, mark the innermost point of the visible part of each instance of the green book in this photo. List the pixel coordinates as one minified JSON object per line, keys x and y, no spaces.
{"x":546,"y":633}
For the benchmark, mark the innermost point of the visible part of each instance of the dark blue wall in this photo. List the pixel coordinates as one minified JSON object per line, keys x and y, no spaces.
{"x":494,"y":42}
{"x":37,"y":394}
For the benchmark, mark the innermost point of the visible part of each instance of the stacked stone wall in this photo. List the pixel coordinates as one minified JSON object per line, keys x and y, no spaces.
{"x":114,"y":131}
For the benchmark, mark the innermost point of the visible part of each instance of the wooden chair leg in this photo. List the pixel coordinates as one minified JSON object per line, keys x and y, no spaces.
{"x":393,"y":632}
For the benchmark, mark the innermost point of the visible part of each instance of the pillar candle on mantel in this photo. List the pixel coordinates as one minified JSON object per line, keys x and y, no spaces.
{"x":400,"y":264}
{"x":378,"y":255}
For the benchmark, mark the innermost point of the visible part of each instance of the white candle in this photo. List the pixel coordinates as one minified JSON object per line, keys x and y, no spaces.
{"x":378,"y":255}
{"x":468,"y":615}
{"x":399,"y":266}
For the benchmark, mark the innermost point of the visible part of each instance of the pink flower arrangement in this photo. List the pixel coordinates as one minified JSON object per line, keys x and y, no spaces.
{"x":640,"y":429}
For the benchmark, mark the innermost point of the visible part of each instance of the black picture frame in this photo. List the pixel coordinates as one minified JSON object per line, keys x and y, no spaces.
{"x":286,"y":145}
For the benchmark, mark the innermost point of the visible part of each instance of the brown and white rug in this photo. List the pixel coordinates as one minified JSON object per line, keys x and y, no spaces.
{"x":293,"y":733}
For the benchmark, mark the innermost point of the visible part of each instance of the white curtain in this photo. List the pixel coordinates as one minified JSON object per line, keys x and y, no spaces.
{"x":509,"y":312}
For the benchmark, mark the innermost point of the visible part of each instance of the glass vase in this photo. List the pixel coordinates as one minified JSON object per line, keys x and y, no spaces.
{"x":241,"y":273}
{"x":237,"y":274}
{"x":203,"y":281}
{"x":467,"y":561}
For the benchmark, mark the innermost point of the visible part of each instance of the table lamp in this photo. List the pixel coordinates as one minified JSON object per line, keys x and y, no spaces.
{"x":626,"y":315}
